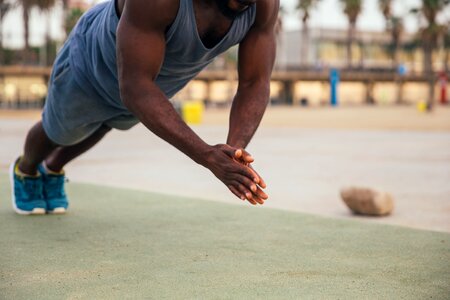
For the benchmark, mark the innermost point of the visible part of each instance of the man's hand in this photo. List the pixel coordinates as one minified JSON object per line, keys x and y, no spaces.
{"x":240,"y":178}
{"x":246,"y":158}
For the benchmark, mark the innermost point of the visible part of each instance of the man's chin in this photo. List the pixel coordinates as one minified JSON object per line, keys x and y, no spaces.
{"x":227,"y":11}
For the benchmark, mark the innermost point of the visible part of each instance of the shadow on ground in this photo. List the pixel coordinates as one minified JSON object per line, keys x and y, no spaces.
{"x":118,"y":243}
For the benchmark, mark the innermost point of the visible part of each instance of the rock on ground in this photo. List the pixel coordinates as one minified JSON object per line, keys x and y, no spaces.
{"x":365,"y":201}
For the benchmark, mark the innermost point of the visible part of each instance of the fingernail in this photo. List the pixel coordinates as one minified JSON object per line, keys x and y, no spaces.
{"x":256,"y":180}
{"x":254,"y":188}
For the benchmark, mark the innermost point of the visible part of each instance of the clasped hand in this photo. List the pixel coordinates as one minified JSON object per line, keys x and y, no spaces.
{"x":233,"y":167}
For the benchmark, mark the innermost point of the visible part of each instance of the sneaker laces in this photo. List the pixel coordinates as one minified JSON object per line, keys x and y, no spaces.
{"x":55,"y":186}
{"x":33,"y":187}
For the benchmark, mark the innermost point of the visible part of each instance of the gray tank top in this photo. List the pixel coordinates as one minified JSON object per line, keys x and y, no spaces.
{"x":93,"y":50}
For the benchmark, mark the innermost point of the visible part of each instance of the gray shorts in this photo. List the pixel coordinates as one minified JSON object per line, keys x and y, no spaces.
{"x":73,"y":112}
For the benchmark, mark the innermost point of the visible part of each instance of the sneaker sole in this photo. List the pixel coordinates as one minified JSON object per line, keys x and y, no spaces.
{"x":57,"y":211}
{"x":35,"y":211}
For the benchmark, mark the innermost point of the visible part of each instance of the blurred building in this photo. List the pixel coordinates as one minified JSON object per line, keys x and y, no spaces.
{"x":328,"y":48}
{"x":296,"y":79}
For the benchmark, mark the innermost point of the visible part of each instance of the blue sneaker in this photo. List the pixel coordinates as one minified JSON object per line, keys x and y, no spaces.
{"x":26,"y":192}
{"x":54,"y":194}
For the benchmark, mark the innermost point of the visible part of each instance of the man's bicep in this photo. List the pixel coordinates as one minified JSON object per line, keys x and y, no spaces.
{"x":141,"y":45}
{"x":256,"y":57}
{"x":257,"y":50}
{"x":139,"y":54}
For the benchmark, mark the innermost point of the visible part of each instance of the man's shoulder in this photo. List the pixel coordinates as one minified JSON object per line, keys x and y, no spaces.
{"x":266,"y":10}
{"x":158,"y":11}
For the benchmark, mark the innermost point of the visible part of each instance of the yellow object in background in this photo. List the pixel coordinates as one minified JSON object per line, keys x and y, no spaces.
{"x":193,"y":112}
{"x":422,"y":106}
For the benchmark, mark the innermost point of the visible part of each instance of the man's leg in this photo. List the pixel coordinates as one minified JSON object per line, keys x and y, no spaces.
{"x":27,"y":184}
{"x":39,"y":148}
{"x":62,"y":155}
{"x":54,"y":178}
{"x":49,"y":180}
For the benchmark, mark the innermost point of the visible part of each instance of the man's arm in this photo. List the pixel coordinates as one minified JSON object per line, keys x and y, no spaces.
{"x":140,"y":53}
{"x":256,"y":59}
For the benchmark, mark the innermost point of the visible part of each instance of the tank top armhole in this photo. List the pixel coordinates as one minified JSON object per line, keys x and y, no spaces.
{"x":176,"y":21}
{"x":253,"y":14}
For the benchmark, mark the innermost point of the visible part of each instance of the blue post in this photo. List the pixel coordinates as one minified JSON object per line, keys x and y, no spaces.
{"x":334,"y":83}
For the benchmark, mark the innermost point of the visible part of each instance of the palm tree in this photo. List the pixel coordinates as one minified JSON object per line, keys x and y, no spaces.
{"x":26,"y":8}
{"x":72,"y":17}
{"x":397,"y":28}
{"x":447,"y":50}
{"x":386,"y":9}
{"x":394,"y":25}
{"x":5,"y":7}
{"x":305,"y":7}
{"x":65,"y":4}
{"x":352,"y":9}
{"x":45,"y":6}
{"x":430,"y":35}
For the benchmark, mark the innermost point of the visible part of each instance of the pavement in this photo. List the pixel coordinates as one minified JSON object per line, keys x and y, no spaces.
{"x":152,"y":224}
{"x":123,"y":244}
{"x":299,"y":152}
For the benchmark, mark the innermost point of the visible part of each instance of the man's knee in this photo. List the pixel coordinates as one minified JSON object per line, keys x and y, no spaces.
{"x":38,"y":132}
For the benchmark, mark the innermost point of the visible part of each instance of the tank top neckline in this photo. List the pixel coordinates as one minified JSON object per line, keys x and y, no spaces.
{"x":197,"y":35}
{"x":191,"y":12}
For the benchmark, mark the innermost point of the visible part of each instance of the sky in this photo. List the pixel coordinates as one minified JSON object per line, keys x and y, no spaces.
{"x":328,"y":14}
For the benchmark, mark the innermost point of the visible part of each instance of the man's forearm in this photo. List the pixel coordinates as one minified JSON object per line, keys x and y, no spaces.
{"x":246,"y":113}
{"x":155,"y":111}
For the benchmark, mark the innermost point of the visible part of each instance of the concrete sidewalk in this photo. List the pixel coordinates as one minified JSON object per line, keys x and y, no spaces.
{"x":304,"y":168}
{"x":117,"y":244}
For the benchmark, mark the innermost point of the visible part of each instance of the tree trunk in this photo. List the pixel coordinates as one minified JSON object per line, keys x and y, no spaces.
{"x":362,"y":56}
{"x":305,"y":45}
{"x":431,"y":88}
{"x":446,"y":57}
{"x":395,"y":66}
{"x":350,"y":37}
{"x":429,"y":73}
{"x":65,"y":15}
{"x":1,"y":42}
{"x":26,"y":21}
{"x":399,"y":82}
{"x":396,"y":56}
{"x":48,"y":51}
{"x":369,"y":93}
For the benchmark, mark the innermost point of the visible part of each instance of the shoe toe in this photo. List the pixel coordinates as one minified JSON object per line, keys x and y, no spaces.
{"x":38,"y":211}
{"x":34,"y":211}
{"x":58,"y":211}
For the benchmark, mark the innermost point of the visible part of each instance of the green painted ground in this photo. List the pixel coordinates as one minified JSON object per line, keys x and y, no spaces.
{"x":125,"y":244}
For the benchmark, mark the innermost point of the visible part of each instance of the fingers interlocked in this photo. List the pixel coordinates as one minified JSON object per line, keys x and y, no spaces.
{"x":249,"y":186}
{"x":233,"y":167}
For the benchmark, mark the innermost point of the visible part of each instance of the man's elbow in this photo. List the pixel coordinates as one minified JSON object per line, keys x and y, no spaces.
{"x":126,"y":93}
{"x":259,"y":85}
{"x":130,"y":92}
